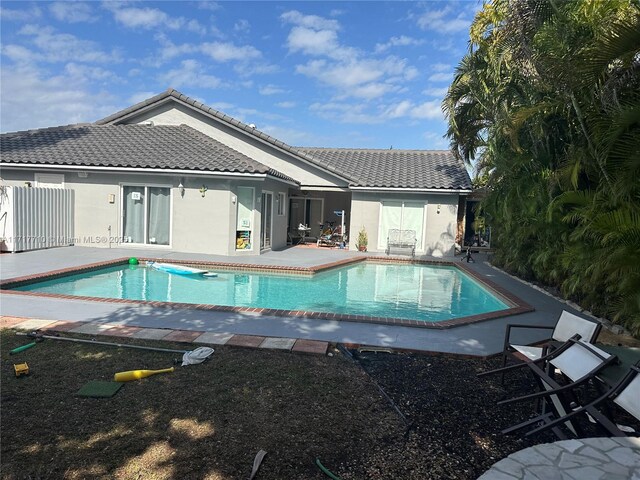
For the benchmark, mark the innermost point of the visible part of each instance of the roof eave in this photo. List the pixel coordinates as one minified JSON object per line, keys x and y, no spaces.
{"x":158,"y":171}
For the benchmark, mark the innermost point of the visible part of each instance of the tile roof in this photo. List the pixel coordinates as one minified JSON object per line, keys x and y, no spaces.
{"x":251,"y":130}
{"x":139,"y":146}
{"x":419,"y":169}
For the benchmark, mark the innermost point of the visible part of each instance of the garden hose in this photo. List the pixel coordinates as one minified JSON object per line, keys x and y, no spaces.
{"x":326,"y":471}
{"x":22,"y":348}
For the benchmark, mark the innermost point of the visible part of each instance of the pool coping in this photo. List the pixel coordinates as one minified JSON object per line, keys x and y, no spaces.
{"x":515,"y":304}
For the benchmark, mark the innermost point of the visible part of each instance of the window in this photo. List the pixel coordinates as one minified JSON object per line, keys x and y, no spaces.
{"x":280,"y":203}
{"x":146,"y":214}
{"x":49,"y":180}
{"x":401,"y":215}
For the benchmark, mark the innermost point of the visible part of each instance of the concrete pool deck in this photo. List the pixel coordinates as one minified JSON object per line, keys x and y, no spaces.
{"x":478,"y":339}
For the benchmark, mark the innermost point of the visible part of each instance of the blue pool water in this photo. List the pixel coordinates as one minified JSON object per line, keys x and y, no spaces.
{"x":416,"y":292}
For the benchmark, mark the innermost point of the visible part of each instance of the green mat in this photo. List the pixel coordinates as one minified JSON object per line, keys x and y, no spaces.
{"x":99,"y":389}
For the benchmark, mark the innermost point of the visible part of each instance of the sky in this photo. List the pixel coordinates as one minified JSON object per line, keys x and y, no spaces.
{"x":321,"y":74}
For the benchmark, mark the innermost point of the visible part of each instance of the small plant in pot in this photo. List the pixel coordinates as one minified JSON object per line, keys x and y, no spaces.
{"x":363,"y":240}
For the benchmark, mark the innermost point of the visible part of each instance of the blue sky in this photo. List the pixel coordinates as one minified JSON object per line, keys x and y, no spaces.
{"x":327,"y":74}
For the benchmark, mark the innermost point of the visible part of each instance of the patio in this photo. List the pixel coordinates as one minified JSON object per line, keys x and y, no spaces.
{"x":480,"y":339}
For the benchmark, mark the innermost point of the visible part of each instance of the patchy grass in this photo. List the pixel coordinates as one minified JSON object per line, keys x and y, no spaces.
{"x":208,"y":421}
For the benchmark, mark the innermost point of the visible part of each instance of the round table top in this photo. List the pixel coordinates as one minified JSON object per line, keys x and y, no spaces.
{"x":583,"y":459}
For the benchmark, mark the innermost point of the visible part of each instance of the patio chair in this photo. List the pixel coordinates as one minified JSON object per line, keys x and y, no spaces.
{"x":576,"y":360}
{"x":567,"y":326}
{"x":625,"y":394}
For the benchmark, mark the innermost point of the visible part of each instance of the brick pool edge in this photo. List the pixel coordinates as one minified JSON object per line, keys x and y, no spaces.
{"x":516,"y":305}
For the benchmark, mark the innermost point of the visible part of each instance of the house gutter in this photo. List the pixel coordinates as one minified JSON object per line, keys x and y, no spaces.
{"x":409,"y":190}
{"x":156,"y":171}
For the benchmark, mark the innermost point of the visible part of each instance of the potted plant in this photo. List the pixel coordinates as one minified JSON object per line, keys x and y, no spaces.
{"x":363,"y":240}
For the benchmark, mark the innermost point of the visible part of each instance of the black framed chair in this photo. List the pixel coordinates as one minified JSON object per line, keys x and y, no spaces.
{"x":565,"y":328}
{"x":579,"y":362}
{"x":625,"y":394}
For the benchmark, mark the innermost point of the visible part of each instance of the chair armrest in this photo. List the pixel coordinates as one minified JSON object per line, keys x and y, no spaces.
{"x":507,"y":334}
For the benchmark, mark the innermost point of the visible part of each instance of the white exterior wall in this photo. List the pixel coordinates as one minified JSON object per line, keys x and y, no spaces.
{"x":198,"y":224}
{"x":172,"y":113}
{"x":439,"y":228}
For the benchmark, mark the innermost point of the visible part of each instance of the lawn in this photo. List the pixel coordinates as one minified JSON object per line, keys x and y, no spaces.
{"x":208,"y":421}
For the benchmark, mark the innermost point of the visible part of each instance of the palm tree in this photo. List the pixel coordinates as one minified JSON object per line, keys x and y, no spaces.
{"x":546,"y":101}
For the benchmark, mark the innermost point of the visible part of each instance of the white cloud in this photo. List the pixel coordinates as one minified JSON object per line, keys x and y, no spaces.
{"x":61,"y":47}
{"x":248,"y":69}
{"x":359,"y":78}
{"x":146,"y":18}
{"x":140,"y":96}
{"x":225,"y":51}
{"x":372,"y":90}
{"x":286,"y":104}
{"x":73,"y":12}
{"x":169,"y":50}
{"x":86,"y":73}
{"x":400,"y":41}
{"x":32,"y":99}
{"x":426,"y":110}
{"x":149,"y":18}
{"x":209,"y":5}
{"x":436,"y":92}
{"x":441,"y":67}
{"x":374,"y":114}
{"x":242,"y":26}
{"x":398,"y":110}
{"x":310,"y":21}
{"x":195,"y":27}
{"x":20,"y":15}
{"x":252,"y":114}
{"x":430,"y":110}
{"x":346,"y":69}
{"x":190,"y":74}
{"x":19,"y":54}
{"x":312,"y":42}
{"x":345,"y":113}
{"x":270,"y":90}
{"x":446,"y":20}
{"x":441,"y":77}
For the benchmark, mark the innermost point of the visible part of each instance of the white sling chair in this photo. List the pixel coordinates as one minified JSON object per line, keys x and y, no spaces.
{"x":579,"y":362}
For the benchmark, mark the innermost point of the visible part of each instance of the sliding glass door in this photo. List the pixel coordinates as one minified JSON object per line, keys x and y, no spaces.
{"x":266,"y":220}
{"x":146,"y":214}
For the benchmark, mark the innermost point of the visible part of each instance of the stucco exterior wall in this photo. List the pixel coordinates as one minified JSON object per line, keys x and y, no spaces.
{"x":171,"y":113}
{"x":199,"y":224}
{"x":439,"y":226}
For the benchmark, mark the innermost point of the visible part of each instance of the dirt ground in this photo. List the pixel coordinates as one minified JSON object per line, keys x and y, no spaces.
{"x":208,"y":421}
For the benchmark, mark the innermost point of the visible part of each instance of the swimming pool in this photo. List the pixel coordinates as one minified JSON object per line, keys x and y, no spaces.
{"x":420,"y":293}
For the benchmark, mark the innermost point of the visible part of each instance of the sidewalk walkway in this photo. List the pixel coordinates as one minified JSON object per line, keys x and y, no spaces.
{"x":184,"y":336}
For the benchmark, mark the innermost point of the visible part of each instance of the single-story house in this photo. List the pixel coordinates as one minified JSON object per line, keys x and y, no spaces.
{"x":173,"y":173}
